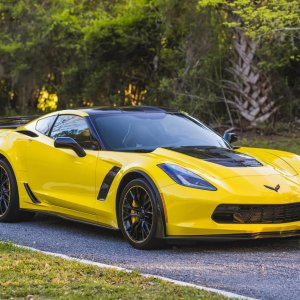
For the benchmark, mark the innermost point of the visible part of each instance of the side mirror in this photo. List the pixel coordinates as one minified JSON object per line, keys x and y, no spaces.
{"x":230,"y":137}
{"x":69,"y":143}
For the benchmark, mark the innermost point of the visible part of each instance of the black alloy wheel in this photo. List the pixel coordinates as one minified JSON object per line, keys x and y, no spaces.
{"x":138,"y":214}
{"x":4,"y":191}
{"x":9,"y":196}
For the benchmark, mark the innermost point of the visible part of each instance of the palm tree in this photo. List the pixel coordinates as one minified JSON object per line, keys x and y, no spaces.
{"x":250,"y":90}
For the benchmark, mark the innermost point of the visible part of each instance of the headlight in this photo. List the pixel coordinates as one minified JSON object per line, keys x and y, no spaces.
{"x":187,"y":178}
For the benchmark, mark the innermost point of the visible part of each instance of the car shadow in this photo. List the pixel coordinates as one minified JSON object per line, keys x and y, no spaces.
{"x":93,"y":231}
{"x":263,"y":245}
{"x":79,"y":227}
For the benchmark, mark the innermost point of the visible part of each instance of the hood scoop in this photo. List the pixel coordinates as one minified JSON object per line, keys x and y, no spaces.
{"x":220,"y":156}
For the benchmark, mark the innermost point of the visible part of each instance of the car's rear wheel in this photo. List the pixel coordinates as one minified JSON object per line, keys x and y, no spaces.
{"x":9,"y":196}
{"x":138,"y":215}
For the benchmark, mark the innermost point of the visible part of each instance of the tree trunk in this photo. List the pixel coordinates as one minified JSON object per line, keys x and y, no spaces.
{"x":251,"y":89}
{"x":25,"y":88}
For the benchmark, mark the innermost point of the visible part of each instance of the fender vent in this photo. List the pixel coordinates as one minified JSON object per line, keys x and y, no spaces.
{"x":31,"y":195}
{"x":107,"y":183}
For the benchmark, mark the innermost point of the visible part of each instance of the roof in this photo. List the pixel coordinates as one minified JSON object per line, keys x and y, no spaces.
{"x":124,"y":109}
{"x":84,"y":112}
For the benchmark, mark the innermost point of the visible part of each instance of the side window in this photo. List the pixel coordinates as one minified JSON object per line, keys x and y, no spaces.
{"x":76,"y":128}
{"x":44,"y":125}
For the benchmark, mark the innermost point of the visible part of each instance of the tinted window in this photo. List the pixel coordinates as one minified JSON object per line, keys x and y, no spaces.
{"x":44,"y":125}
{"x":76,"y":128}
{"x":134,"y":131}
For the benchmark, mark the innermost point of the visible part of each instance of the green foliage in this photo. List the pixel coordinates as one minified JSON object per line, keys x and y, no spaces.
{"x":264,"y":18}
{"x":275,"y":25}
{"x":192,"y":50}
{"x":120,"y":52}
{"x":166,"y":52}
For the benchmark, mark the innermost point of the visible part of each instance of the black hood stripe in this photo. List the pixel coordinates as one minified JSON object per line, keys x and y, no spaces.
{"x":220,"y":156}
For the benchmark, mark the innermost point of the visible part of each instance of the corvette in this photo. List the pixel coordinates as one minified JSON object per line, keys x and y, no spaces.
{"x":153,"y":173}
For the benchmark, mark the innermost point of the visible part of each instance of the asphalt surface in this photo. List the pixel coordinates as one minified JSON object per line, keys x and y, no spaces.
{"x":264,"y":269}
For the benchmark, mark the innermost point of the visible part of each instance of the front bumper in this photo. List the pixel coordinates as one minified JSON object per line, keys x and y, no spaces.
{"x":237,"y":237}
{"x":189,"y":211}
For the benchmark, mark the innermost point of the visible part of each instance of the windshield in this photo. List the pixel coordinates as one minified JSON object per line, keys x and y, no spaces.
{"x":148,"y":131}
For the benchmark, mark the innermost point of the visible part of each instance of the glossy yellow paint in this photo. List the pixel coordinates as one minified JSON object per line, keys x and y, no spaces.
{"x":68,"y":185}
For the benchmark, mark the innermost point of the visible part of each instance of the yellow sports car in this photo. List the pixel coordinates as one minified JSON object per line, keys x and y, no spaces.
{"x":153,"y":173}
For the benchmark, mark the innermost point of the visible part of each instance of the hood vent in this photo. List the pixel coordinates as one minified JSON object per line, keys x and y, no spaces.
{"x":220,"y":156}
{"x":251,"y":162}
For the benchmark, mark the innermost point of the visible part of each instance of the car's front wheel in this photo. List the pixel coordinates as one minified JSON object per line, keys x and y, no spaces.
{"x":9,"y":196}
{"x":138,"y":215}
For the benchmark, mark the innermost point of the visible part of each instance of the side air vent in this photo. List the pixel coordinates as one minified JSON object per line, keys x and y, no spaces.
{"x":31,"y":195}
{"x":104,"y":189}
{"x":28,"y":133}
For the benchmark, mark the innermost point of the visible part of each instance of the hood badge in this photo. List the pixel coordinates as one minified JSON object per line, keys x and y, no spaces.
{"x":275,"y":189}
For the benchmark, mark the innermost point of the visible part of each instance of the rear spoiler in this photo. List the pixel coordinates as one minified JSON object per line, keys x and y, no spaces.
{"x":15,"y":122}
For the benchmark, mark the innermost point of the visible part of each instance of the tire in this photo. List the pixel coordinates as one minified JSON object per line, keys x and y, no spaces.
{"x":138,"y":215}
{"x":9,"y":196}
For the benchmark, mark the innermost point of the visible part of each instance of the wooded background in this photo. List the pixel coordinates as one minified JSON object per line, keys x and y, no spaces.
{"x":227,"y":62}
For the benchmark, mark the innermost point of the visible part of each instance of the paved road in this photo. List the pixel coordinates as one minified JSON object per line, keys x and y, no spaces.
{"x":267,"y":269}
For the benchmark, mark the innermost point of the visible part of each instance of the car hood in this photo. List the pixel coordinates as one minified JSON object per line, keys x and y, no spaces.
{"x":220,"y":163}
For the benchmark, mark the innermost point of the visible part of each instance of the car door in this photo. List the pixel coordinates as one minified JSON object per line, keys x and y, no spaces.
{"x":59,"y":177}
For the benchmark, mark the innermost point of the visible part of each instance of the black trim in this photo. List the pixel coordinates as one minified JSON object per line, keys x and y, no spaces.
{"x":105,"y":186}
{"x":69,"y":143}
{"x":51,"y":128}
{"x":28,"y":133}
{"x":257,"y":213}
{"x":237,"y":237}
{"x":220,"y":156}
{"x":31,"y":195}
{"x":94,"y":133}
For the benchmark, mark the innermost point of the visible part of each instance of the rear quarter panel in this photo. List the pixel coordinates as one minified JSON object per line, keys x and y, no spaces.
{"x":13,"y":146}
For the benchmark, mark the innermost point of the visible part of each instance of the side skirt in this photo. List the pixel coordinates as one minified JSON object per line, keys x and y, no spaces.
{"x":68,"y":218}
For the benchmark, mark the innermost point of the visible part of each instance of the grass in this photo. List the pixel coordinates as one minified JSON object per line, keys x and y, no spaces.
{"x":289,"y":143}
{"x":26,"y":274}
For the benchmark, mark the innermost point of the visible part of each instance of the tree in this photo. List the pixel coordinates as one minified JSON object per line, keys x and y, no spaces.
{"x":163,"y":52}
{"x":121,"y":54}
{"x":37,"y":39}
{"x":252,"y":23}
{"x":84,"y":51}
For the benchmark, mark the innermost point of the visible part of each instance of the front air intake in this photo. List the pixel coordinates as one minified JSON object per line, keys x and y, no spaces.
{"x":257,"y":214}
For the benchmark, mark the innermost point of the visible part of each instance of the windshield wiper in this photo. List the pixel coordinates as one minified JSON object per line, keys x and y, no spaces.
{"x":195,"y":147}
{"x":138,"y":150}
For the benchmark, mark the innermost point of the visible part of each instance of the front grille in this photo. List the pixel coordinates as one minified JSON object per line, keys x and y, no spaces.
{"x":257,"y":214}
